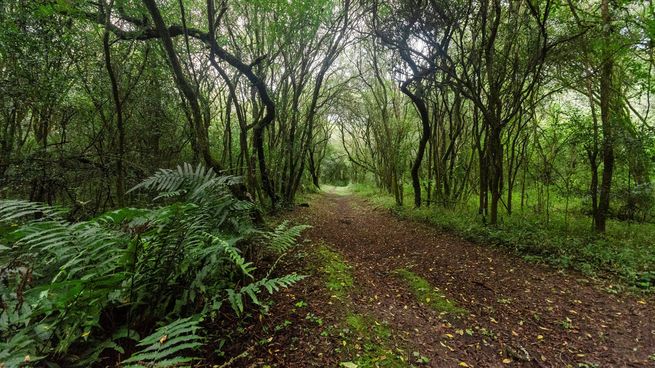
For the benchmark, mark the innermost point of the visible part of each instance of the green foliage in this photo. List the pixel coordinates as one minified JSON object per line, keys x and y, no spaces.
{"x":283,"y":237}
{"x":185,"y":180}
{"x":337,"y":273}
{"x":251,"y":290}
{"x":183,"y":258}
{"x":16,"y":209}
{"x":17,"y":350}
{"x":626,"y":251}
{"x":372,"y":341}
{"x":164,"y":347}
{"x":335,"y":168}
{"x":428,"y":295}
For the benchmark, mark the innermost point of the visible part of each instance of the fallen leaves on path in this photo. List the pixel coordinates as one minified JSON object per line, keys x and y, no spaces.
{"x":529,"y":314}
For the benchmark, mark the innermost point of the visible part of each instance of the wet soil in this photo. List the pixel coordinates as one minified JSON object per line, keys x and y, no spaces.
{"x":519,"y":314}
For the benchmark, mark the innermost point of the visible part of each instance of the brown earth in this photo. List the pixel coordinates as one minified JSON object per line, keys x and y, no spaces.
{"x":519,"y":314}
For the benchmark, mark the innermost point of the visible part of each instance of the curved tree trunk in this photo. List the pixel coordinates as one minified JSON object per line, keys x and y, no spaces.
{"x":260,"y":86}
{"x":425,"y":136}
{"x":201,"y":144}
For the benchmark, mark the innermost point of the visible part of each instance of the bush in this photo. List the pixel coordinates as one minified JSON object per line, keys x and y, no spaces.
{"x":73,"y":292}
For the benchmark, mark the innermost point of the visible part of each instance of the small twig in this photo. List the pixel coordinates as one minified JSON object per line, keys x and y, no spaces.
{"x":484,"y":285}
{"x":234,"y":359}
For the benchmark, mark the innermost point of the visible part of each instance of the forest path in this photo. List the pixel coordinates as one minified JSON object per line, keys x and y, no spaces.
{"x":516,"y":313}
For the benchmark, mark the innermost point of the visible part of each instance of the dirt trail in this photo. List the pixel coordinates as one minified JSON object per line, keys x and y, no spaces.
{"x":518,"y":313}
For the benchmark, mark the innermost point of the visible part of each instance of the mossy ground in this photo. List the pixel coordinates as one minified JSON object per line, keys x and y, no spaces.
{"x":363,"y":338}
{"x":428,"y":295}
{"x":336,"y":272}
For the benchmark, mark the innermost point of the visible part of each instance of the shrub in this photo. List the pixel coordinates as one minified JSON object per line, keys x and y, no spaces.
{"x":72,"y":292}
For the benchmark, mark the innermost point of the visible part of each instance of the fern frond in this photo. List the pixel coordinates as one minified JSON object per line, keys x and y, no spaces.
{"x":283,"y":237}
{"x":185,"y":178}
{"x":253,"y":289}
{"x":233,"y":253}
{"x":273,"y":285}
{"x":14,"y":351}
{"x":121,"y":215}
{"x":13,"y":210}
{"x":164,"y":347}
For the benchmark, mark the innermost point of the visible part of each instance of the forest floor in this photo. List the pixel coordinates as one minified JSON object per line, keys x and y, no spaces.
{"x":388,"y":292}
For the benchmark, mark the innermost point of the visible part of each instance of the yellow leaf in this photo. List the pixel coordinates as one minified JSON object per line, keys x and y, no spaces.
{"x":163,"y":339}
{"x":459,"y":332}
{"x":449,"y":335}
{"x":514,"y":333}
{"x":540,"y":337}
{"x":641,"y":302}
{"x":462,"y":364}
{"x":27,"y":359}
{"x":507,"y":360}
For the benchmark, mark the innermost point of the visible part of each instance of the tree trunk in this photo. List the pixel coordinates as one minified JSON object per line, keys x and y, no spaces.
{"x":496,"y":170}
{"x":313,"y":171}
{"x":606,"y":115}
{"x":120,"y":171}
{"x":200,"y":132}
{"x":425,"y":136}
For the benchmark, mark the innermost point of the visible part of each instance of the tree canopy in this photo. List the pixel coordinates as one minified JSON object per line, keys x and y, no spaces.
{"x":501,"y":110}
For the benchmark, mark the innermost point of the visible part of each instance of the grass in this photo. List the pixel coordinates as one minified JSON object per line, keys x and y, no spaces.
{"x":428,"y":295}
{"x":338,"y":279}
{"x":626,"y":251}
{"x":336,"y":190}
{"x":366,"y":341}
{"x":370,"y":340}
{"x":364,"y":325}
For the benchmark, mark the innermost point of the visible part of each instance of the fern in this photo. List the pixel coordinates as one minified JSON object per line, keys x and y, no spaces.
{"x":252,"y":290}
{"x":232,"y":253}
{"x":92,"y":355}
{"x":17,"y":351}
{"x":183,"y":258}
{"x":185,"y":180}
{"x":165,"y":347}
{"x":12,"y":210}
{"x":284,"y":237}
{"x":171,"y":180}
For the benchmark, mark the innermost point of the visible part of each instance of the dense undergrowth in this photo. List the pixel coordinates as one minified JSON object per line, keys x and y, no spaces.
{"x":135,"y":286}
{"x":626,"y":251}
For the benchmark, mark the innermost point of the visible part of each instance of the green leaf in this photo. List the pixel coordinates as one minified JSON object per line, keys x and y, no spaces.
{"x":348,"y":365}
